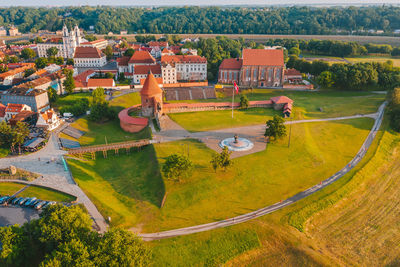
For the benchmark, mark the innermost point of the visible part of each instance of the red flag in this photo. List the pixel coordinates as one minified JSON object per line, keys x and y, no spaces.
{"x":236,"y":87}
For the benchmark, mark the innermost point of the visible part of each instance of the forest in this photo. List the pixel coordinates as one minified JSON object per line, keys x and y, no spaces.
{"x":222,"y":20}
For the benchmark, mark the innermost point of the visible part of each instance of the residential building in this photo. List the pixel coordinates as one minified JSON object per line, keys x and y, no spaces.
{"x":89,"y":57}
{"x":158,"y":44}
{"x":48,"y":120}
{"x":13,"y":31}
{"x":141,"y":72}
{"x":13,"y":109}
{"x":292,"y":75}
{"x":105,"y":83}
{"x":122,"y":64}
{"x":100,"y":44}
{"x":7,"y":78}
{"x":187,"y":67}
{"x":257,"y":67}
{"x":3,"y":31}
{"x":36,"y":99}
{"x":66,"y":46}
{"x":54,"y":80}
{"x":140,"y":58}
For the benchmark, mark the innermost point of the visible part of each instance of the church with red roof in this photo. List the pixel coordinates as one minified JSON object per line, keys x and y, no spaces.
{"x":256,"y":67}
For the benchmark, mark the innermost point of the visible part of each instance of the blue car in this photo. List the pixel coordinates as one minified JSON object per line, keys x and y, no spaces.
{"x":27,"y":203}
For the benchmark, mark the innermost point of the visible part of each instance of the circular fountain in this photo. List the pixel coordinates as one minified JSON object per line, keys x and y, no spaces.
{"x":236,"y":143}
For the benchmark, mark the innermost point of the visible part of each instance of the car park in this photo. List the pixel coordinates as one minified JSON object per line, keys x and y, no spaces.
{"x":40,"y":205}
{"x":33,"y":203}
{"x":10,"y":199}
{"x":15,"y":200}
{"x":22,"y":201}
{"x":27,"y":203}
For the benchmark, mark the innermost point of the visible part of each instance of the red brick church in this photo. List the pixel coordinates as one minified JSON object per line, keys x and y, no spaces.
{"x":256,"y":68}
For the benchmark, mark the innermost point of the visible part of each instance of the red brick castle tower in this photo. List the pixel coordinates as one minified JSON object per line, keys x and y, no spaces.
{"x":152,"y":97}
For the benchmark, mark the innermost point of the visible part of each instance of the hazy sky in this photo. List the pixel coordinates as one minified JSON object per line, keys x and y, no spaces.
{"x":182,"y":2}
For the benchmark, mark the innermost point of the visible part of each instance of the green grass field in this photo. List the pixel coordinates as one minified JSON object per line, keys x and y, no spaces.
{"x":125,"y":101}
{"x":396,"y":60}
{"x":129,"y":188}
{"x":46,"y":194}
{"x":9,"y":188}
{"x":69,"y":100}
{"x":306,"y":106}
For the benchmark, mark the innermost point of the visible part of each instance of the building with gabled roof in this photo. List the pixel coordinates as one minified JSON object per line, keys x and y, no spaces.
{"x":48,"y":120}
{"x":105,"y":83}
{"x":140,"y":58}
{"x":256,"y":67}
{"x":183,"y":68}
{"x":13,"y":109}
{"x":89,"y":57}
{"x":36,"y":99}
{"x":141,"y":72}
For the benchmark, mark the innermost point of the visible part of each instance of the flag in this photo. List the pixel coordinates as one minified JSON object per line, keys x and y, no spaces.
{"x":236,"y":87}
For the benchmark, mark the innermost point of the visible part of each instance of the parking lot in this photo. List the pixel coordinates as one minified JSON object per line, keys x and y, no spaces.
{"x":16,"y":215}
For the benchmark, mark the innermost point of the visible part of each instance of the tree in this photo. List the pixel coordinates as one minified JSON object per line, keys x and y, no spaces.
{"x":28,"y":53}
{"x":41,"y":62}
{"x":69,"y":82}
{"x":129,"y":52}
{"x":59,"y":61}
{"x":90,"y":37}
{"x":70,"y":61}
{"x":275,"y":128}
{"x":19,"y":132}
{"x":176,"y":165}
{"x":38,"y":40}
{"x":29,"y":72}
{"x":52,"y":93}
{"x":52,"y":51}
{"x":98,"y":95}
{"x":394,"y":109}
{"x":5,"y":134}
{"x":244,"y":101}
{"x":109,"y":75}
{"x":222,"y":160}
{"x":294,"y":51}
{"x":325,"y":79}
{"x":108,"y":51}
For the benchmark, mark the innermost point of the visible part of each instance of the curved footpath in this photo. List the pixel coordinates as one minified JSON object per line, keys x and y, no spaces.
{"x":269,"y":209}
{"x":47,"y":162}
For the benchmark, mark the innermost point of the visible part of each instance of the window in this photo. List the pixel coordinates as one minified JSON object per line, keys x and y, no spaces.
{"x":255,"y":74}
{"x":225,"y":75}
{"x":263,"y":74}
{"x":230,"y":75}
{"x":270,"y":73}
{"x":247,"y":73}
{"x":235,"y":76}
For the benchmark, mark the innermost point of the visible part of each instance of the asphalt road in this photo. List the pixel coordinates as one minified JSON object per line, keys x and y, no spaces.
{"x":277,"y":206}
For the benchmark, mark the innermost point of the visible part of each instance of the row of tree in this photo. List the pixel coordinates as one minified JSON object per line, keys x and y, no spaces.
{"x":257,"y":20}
{"x":64,"y":237}
{"x":359,"y":76}
{"x":394,"y":109}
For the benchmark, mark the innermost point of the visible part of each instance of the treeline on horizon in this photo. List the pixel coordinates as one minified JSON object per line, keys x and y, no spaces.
{"x":221,"y":20}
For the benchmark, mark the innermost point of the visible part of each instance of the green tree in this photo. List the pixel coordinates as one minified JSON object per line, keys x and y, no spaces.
{"x":98,"y":95}
{"x":325,"y":79}
{"x":19,"y":132}
{"x":176,"y":165}
{"x":275,"y":128}
{"x":69,"y":82}
{"x":59,"y":61}
{"x":108,"y":51}
{"x":28,"y":53}
{"x":129,"y":52}
{"x":41,"y":62}
{"x":52,"y":52}
{"x":29,"y":72}
{"x":221,"y":160}
{"x":52,"y":93}
{"x":244,"y":101}
{"x":5,"y":134}
{"x":38,"y":40}
{"x":294,"y":51}
{"x":109,"y":75}
{"x":70,"y":61}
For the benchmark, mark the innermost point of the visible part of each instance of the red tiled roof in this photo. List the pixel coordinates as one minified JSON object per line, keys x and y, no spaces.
{"x":231,"y":64}
{"x":83,"y":76}
{"x":87,"y":52}
{"x":142,"y":57}
{"x":263,"y":57}
{"x":2,"y":110}
{"x":144,"y":69}
{"x":281,"y":100}
{"x":150,"y":86}
{"x":93,"y":42}
{"x":292,"y":72}
{"x":161,"y":44}
{"x":123,"y":61}
{"x":100,"y":83}
{"x":183,"y":58}
{"x":158,"y":79}
{"x":14,"y":107}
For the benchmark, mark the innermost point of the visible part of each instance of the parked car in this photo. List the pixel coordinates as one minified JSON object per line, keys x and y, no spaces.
{"x":39,"y":205}
{"x":27,"y":203}
{"x":10,"y":199}
{"x":49,"y":203}
{"x":15,"y":200}
{"x":4,"y":199}
{"x":33,"y":203}
{"x":22,"y":201}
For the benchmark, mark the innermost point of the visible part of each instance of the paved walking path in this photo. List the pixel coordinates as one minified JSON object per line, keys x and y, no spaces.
{"x":171,"y":131}
{"x":47,"y":162}
{"x":266,"y":210}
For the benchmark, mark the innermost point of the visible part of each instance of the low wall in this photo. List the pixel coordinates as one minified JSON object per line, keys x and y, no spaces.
{"x":188,"y":84}
{"x":298,"y":86}
{"x":132,"y":124}
{"x":186,"y":107}
{"x":131,"y":128}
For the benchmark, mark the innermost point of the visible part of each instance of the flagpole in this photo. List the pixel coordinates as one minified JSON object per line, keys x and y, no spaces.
{"x":233,"y":96}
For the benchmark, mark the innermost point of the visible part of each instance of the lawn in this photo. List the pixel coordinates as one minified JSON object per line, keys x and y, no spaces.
{"x":4,"y":152}
{"x":126,"y":101}
{"x":9,"y":188}
{"x":396,"y":61}
{"x":46,"y":194}
{"x":99,"y":133}
{"x":307,"y":105}
{"x":283,"y":245}
{"x":70,"y":99}
{"x":129,"y":188}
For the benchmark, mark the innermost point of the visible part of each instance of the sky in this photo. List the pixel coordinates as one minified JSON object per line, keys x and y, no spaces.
{"x":184,"y":2}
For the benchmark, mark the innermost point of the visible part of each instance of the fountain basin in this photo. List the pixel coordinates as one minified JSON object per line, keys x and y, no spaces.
{"x":242,"y":144}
